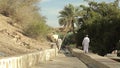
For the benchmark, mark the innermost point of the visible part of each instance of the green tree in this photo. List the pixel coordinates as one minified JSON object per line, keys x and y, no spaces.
{"x":101,"y":22}
{"x":68,"y":17}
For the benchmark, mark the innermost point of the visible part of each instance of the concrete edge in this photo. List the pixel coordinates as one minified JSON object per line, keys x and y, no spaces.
{"x":93,"y":60}
{"x":28,"y":60}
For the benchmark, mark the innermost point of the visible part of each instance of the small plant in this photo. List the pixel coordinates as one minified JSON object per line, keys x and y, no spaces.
{"x":72,"y":45}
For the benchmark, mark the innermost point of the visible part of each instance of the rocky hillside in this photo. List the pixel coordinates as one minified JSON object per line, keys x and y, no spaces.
{"x":13,"y":42}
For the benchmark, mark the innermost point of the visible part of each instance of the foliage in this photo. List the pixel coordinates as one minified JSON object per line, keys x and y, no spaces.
{"x":36,"y":30}
{"x":26,"y":14}
{"x":68,"y":17}
{"x":72,"y":45}
{"x":118,"y":48}
{"x":69,"y":39}
{"x":101,"y":22}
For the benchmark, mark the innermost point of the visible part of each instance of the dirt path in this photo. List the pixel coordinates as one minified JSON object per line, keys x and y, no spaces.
{"x":62,"y":61}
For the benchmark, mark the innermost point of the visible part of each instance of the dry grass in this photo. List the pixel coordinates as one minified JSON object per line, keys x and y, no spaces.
{"x":12,"y":42}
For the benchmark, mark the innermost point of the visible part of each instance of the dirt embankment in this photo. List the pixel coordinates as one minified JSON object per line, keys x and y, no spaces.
{"x":12,"y":42}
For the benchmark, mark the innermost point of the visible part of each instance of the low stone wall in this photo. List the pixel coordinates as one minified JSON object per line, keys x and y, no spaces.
{"x":94,"y":60}
{"x":28,"y":60}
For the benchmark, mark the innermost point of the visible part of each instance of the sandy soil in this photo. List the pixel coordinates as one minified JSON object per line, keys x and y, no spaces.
{"x":12,"y":42}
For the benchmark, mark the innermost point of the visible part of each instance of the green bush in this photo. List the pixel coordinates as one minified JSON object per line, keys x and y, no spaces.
{"x":36,"y":30}
{"x":103,"y":27}
{"x":26,"y":14}
{"x":69,"y":39}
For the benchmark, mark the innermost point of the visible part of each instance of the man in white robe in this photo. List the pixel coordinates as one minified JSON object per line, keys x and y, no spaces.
{"x":85,"y":43}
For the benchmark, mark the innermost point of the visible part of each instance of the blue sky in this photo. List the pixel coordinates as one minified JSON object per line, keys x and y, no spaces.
{"x":50,"y":9}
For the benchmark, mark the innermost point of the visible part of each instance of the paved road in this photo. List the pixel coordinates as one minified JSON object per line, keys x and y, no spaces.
{"x":62,"y":61}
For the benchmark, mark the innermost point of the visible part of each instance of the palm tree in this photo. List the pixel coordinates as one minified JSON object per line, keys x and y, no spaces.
{"x":63,"y":22}
{"x":68,"y":17}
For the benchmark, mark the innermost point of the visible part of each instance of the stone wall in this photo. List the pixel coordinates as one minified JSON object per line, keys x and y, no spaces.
{"x":28,"y":60}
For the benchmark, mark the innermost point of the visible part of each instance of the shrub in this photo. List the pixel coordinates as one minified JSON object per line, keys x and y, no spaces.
{"x":26,"y":14}
{"x":36,"y":30}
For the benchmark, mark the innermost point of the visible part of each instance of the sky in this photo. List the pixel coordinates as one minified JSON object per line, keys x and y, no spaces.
{"x":51,"y":8}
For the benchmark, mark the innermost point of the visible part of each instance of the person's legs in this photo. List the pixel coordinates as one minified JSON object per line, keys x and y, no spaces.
{"x":85,"y":48}
{"x":59,"y":47}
